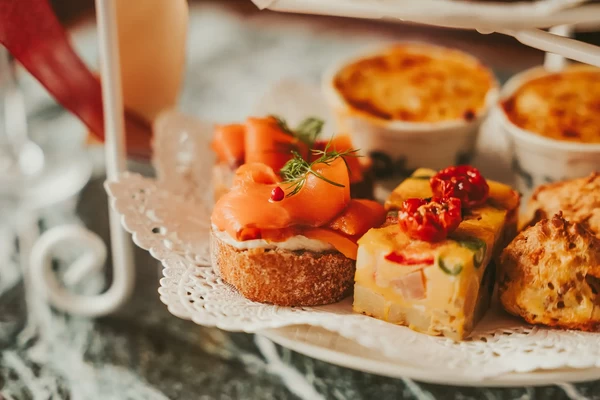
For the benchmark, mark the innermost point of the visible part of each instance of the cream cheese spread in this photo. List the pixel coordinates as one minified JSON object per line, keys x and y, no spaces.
{"x":293,"y":243}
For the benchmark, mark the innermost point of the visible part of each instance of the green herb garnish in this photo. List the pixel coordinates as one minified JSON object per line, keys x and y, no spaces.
{"x":297,"y":169}
{"x":283,"y":124}
{"x":421,"y":177}
{"x":453,"y":270}
{"x":479,"y":248}
{"x":307,"y":131}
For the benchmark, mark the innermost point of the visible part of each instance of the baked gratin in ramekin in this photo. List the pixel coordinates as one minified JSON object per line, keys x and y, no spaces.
{"x":552,"y":120}
{"x":562,"y":106}
{"x":415,"y":83}
{"x":411,"y":105}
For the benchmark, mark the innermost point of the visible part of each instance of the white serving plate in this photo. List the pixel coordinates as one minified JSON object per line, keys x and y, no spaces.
{"x":169,"y":217}
{"x":330,"y":347}
{"x":333,"y":348}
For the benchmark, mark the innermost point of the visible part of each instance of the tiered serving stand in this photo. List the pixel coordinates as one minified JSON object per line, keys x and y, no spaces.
{"x":542,"y":24}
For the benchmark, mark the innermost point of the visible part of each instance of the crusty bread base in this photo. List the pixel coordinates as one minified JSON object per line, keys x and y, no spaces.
{"x":284,"y":278}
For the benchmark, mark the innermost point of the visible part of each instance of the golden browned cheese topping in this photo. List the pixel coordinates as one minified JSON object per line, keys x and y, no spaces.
{"x":561,"y":106}
{"x":416,"y":83}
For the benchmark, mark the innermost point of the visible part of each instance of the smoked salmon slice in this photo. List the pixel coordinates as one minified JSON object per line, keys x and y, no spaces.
{"x":228,"y":143}
{"x":341,"y":143}
{"x":255,"y":172}
{"x":248,"y":204}
{"x":262,"y":140}
{"x":341,"y":243}
{"x":318,"y":202}
{"x":267,"y":143}
{"x":359,"y":217}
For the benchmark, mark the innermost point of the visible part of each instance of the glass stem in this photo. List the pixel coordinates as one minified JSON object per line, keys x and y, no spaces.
{"x":14,"y":140}
{"x":13,"y":133}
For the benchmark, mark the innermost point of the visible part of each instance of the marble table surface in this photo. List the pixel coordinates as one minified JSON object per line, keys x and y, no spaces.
{"x":143,"y":352}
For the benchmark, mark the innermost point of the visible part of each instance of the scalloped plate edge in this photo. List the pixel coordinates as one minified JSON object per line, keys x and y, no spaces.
{"x":286,"y":337}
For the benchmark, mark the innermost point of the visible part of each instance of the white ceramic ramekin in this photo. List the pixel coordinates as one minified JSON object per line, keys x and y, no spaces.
{"x":537,"y":159}
{"x":397,"y":146}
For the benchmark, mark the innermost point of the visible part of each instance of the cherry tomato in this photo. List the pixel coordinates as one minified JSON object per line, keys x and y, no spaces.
{"x":430,"y":221}
{"x":463,"y":182}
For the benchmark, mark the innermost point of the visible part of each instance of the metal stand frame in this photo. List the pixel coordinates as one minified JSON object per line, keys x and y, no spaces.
{"x":43,"y":278}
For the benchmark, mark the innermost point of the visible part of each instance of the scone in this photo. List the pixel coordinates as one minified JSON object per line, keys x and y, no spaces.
{"x":550,"y":275}
{"x":291,"y":242}
{"x":577,"y":199}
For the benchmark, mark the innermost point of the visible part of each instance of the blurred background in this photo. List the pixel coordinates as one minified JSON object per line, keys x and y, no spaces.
{"x":73,"y":11}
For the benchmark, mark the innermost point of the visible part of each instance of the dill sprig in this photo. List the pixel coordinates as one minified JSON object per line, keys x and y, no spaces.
{"x":307,"y":131}
{"x":295,"y":172}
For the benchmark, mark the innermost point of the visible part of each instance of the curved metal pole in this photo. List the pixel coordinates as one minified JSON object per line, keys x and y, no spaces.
{"x":553,"y":61}
{"x":122,"y":260}
{"x":566,"y":47}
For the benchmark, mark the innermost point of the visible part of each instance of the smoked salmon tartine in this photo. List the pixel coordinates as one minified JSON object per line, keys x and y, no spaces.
{"x":290,"y":238}
{"x":269,"y":141}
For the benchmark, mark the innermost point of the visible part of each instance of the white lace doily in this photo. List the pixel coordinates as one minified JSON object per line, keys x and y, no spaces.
{"x":169,"y":216}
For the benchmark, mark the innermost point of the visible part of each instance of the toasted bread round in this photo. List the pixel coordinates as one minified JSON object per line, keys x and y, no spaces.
{"x":282,"y":277}
{"x":578,"y":200}
{"x":550,"y":275}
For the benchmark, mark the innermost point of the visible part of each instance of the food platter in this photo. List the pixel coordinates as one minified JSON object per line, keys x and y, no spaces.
{"x":503,"y":352}
{"x":169,"y":218}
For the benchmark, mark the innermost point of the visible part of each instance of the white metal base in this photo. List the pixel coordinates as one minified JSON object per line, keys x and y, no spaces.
{"x":44,"y":281}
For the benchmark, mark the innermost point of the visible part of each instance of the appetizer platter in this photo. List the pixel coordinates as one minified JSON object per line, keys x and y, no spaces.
{"x":278,"y":224}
